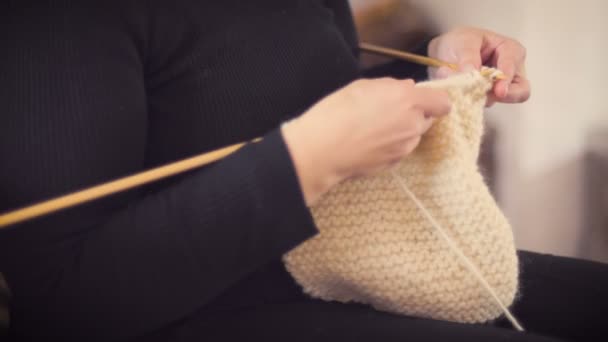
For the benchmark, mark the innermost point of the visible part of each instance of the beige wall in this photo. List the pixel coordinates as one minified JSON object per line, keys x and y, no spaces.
{"x":542,"y":142}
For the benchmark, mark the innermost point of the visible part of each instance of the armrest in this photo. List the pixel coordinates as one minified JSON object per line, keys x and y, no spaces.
{"x":4,"y":314}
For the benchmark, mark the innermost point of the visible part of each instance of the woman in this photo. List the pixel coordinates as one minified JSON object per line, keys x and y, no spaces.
{"x":94,"y":90}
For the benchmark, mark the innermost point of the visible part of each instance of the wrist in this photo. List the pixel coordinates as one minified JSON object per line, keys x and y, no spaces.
{"x":312,"y":162}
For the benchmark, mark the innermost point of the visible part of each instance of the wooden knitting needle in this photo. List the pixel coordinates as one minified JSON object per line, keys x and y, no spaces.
{"x":115,"y":186}
{"x":129,"y":182}
{"x":410,"y":57}
{"x":414,"y":58}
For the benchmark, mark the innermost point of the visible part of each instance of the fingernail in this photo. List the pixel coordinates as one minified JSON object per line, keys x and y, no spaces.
{"x":507,"y":90}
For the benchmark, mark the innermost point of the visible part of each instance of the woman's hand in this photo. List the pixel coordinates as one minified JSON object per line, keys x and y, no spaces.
{"x":360,"y":129}
{"x":472,"y":48}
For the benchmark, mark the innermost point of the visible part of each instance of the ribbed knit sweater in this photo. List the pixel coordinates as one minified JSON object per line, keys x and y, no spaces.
{"x":98,"y":89}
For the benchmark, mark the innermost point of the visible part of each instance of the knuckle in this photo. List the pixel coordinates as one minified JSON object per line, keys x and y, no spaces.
{"x":518,"y":45}
{"x":409,"y":83}
{"x":524,"y":51}
{"x":387,"y":79}
{"x":380,"y":86}
{"x":519,"y":49}
{"x":359,"y":83}
{"x":359,"y":88}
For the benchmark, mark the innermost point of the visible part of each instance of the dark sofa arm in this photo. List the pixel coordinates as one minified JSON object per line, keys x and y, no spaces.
{"x":4,"y":314}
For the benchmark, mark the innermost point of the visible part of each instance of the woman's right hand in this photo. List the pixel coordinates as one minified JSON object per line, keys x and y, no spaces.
{"x":361,"y":129}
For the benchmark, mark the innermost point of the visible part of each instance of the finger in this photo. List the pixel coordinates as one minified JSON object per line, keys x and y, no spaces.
{"x":409,"y":82}
{"x":509,"y":58}
{"x":432,"y":102}
{"x":501,"y":89}
{"x":519,"y":92}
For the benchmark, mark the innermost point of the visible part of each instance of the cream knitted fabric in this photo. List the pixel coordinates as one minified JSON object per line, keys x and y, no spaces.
{"x":376,"y":247}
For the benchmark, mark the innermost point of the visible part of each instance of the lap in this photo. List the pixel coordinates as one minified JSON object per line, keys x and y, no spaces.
{"x":562,"y":296}
{"x":314,"y":320}
{"x":560,"y":299}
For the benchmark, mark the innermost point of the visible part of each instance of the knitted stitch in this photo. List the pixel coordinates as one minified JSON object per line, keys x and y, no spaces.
{"x":376,"y":247}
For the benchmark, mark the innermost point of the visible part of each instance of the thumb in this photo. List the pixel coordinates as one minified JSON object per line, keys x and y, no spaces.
{"x":467,"y":59}
{"x":442,"y":72}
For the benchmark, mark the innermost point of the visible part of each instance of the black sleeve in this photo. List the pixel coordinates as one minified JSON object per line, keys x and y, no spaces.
{"x":396,"y":68}
{"x":169,"y":253}
{"x":179,"y":248}
{"x":158,"y":257}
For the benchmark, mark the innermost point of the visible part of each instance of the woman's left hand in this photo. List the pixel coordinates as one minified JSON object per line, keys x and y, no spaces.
{"x":471,"y":48}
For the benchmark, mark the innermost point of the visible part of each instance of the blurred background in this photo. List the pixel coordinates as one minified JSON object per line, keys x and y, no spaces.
{"x":546,"y":160}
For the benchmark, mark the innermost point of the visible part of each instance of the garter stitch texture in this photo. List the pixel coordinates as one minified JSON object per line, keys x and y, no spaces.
{"x":376,"y":247}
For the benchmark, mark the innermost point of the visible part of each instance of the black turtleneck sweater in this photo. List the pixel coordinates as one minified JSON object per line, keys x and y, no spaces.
{"x":92,"y":90}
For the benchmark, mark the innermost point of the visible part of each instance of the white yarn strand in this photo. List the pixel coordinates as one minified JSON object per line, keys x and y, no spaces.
{"x":463,"y":258}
